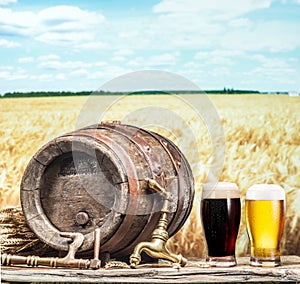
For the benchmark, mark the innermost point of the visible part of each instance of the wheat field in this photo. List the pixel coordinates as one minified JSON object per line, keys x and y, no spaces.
{"x":262,"y":145}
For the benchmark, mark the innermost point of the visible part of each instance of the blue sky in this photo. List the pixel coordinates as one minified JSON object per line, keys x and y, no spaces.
{"x":80,"y":45}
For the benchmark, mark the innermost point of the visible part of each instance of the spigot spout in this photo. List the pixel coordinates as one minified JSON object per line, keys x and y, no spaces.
{"x":156,"y":248}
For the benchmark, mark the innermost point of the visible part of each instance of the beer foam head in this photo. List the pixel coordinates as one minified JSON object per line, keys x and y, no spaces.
{"x":220,"y":190}
{"x":265,"y":192}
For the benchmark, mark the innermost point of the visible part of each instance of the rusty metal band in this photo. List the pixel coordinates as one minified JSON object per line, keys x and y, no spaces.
{"x":116,"y":241}
{"x":173,"y":151}
{"x":147,"y":230}
{"x":174,"y":225}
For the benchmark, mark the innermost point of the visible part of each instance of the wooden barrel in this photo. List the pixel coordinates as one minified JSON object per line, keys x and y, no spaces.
{"x":96,"y":177}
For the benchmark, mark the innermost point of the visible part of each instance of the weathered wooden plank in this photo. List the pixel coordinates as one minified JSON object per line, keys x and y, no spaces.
{"x":194,"y":272}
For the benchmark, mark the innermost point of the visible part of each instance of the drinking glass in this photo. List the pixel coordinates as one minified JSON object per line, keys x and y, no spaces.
{"x":265,"y":215}
{"x":220,"y":214}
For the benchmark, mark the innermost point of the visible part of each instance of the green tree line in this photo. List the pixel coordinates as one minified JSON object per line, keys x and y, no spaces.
{"x":100,"y":92}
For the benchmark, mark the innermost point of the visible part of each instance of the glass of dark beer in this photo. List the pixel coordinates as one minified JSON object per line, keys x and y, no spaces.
{"x":220,"y":214}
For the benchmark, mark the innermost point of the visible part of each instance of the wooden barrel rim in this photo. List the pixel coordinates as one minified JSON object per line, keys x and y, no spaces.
{"x":31,"y":202}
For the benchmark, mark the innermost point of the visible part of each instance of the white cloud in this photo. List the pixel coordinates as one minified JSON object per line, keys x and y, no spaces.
{"x":122,"y":54}
{"x":220,"y":71}
{"x":79,"y":72}
{"x":60,"y":65}
{"x":272,"y":36}
{"x":275,"y":74}
{"x":54,"y":63}
{"x":136,"y":62}
{"x":174,"y":25}
{"x":273,"y":62}
{"x":99,"y":64}
{"x":73,"y":72}
{"x":274,"y":70}
{"x":239,"y":22}
{"x":218,"y":53}
{"x":60,"y":76}
{"x":6,"y":68}
{"x":7,"y":2}
{"x":64,"y":25}
{"x":8,"y":43}
{"x":157,"y":61}
{"x":118,"y":58}
{"x":17,"y":23}
{"x":92,"y":45}
{"x":58,"y":25}
{"x":70,"y":38}
{"x":218,"y":57}
{"x":4,"y":75}
{"x":165,"y":59}
{"x":48,"y":57}
{"x":49,"y":78}
{"x":128,"y":34}
{"x":45,"y":77}
{"x":224,"y":9}
{"x":25,"y":59}
{"x":191,"y":65}
{"x":229,"y":24}
{"x":224,"y":24}
{"x":107,"y":73}
{"x":69,"y":18}
{"x":11,"y":74}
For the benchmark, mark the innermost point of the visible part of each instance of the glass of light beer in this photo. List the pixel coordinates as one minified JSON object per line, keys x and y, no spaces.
{"x":220,"y":214}
{"x":265,"y":215}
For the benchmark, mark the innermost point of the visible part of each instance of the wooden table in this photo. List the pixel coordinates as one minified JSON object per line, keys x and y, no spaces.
{"x":193,"y":272}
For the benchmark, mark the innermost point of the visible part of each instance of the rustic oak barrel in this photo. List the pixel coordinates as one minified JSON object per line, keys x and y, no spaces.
{"x":96,"y":177}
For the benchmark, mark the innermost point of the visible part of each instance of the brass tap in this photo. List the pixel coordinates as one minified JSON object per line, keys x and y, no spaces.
{"x":156,"y":248}
{"x":67,"y":261}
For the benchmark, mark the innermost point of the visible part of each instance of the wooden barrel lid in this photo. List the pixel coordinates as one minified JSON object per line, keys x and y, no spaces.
{"x":63,"y":176}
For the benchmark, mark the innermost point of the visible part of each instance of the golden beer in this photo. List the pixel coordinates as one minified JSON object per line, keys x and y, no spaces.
{"x":265,"y":215}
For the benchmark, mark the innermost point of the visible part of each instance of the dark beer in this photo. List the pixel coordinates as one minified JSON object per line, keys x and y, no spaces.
{"x":221,"y":220}
{"x":220,"y":214}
